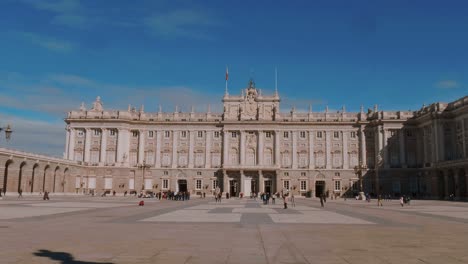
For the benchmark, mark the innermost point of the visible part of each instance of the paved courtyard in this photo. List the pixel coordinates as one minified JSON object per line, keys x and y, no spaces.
{"x":116,"y":230}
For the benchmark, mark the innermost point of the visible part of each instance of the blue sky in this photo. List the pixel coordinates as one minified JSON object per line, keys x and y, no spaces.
{"x":56,"y":54}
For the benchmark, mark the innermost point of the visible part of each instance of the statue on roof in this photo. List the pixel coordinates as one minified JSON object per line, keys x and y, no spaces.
{"x":97,"y":105}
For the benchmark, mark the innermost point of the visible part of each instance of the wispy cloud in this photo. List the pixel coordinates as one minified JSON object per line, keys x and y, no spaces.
{"x":35,"y":136}
{"x":182,"y":23}
{"x":47,"y":42}
{"x":66,"y":12}
{"x":447,"y":84}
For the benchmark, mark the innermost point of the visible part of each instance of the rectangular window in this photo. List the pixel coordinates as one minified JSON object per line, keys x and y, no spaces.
{"x":319,"y":134}
{"x":286,"y":134}
{"x":337,"y":174}
{"x":286,"y":174}
{"x":336,"y":134}
{"x":150,"y":134}
{"x":80,"y":133}
{"x":200,"y":134}
{"x":409,"y":133}
{"x":166,"y":173}
{"x":183,"y":134}
{"x":167,"y":134}
{"x":268,"y":134}
{"x":165,"y":184}
{"x":337,"y":185}
{"x":353,"y":134}
{"x":303,"y":185}
{"x":216,"y":134}
{"x":302,"y":134}
{"x":234,"y":134}
{"x":303,"y":174}
{"x":198,"y":172}
{"x":215,"y":184}
{"x":198,"y":184}
{"x":97,"y":132}
{"x":135,"y":133}
{"x":286,"y":184}
{"x":112,"y":132}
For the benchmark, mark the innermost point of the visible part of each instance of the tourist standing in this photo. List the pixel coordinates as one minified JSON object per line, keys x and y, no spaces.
{"x":285,"y":198}
{"x":293,"y":201}
{"x":20,"y":193}
{"x":321,"y":200}
{"x":402,"y":201}
{"x":379,"y":200}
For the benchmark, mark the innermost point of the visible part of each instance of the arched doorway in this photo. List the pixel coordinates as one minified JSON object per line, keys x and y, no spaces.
{"x":182,"y":184}
{"x":57,"y":171}
{"x":64,"y":179}
{"x":46,"y":171}
{"x":5,"y":177}
{"x":20,"y":177}
{"x":319,"y":188}
{"x":33,"y":176}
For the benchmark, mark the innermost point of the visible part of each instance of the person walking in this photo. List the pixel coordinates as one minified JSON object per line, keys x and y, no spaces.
{"x":293,"y":201}
{"x":321,"y":200}
{"x":20,"y":193}
{"x":379,"y":200}
{"x":402,"y":201}
{"x":285,"y":198}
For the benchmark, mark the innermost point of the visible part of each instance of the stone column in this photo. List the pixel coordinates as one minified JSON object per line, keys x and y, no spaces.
{"x":174,"y":150}
{"x":120,"y":145}
{"x":191,"y":148}
{"x":363,"y":146}
{"x":279,"y":186}
{"x":328,"y":150}
{"x":67,"y":143}
{"x":440,"y":143}
{"x":71,"y":148}
{"x":87,"y":151}
{"x":434,"y":139}
{"x":261,"y":182}
{"x":208,"y":135}
{"x":141,"y":145}
{"x":126,"y":146}
{"x":402,"y":148}
{"x":242,"y":148}
{"x":294,"y":149}
{"x":378,"y":146}
{"x":225,"y":148}
{"x":311,"y":150}
{"x":158,"y":149}
{"x":277,"y":149}
{"x":103,"y":146}
{"x":385,"y":157}
{"x":345,"y":150}
{"x":242,"y":179}
{"x":260,"y":147}
{"x":225,"y":182}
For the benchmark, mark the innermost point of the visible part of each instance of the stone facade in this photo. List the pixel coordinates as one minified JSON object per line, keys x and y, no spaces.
{"x":252,"y":147}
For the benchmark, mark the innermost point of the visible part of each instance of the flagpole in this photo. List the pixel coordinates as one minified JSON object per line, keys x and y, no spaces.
{"x":227,"y":77}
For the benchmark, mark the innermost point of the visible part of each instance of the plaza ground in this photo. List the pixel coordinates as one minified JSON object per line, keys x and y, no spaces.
{"x":116,"y":230}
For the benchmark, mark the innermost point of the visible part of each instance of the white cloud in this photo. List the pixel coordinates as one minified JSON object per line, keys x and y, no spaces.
{"x":35,"y":136}
{"x":47,"y":42}
{"x":447,"y":84}
{"x":181,"y":23}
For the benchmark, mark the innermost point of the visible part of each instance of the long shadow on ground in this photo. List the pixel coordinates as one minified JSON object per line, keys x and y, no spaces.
{"x":64,"y":257}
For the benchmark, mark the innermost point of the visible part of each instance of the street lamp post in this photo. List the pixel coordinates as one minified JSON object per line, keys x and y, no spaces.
{"x":143,"y":167}
{"x":8,"y":132}
{"x":358,"y":171}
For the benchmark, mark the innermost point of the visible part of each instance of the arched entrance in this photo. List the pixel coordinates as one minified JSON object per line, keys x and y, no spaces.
{"x":46,"y":171}
{"x":20,"y":177}
{"x":5,"y":177}
{"x":33,"y":176}
{"x":319,"y":188}
{"x":182,"y":184}
{"x":64,"y":179}
{"x":55,"y":178}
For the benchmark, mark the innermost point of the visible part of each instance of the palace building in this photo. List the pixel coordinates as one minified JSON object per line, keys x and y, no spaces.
{"x":252,"y":147}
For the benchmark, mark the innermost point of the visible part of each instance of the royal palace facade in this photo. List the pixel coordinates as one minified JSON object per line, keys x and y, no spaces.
{"x":252,"y":147}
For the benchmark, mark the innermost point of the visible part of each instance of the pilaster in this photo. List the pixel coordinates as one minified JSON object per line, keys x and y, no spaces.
{"x":71,"y":149}
{"x":208,"y":135}
{"x":242,"y":148}
{"x":191,"y":148}
{"x":277,"y":148}
{"x":294,"y":149}
{"x":260,"y":147}
{"x":242,"y":180}
{"x":225,"y":147}
{"x":141,"y":145}
{"x":103,"y":145}
{"x":158,"y":149}
{"x":67,"y":143}
{"x":174,"y":150}
{"x":261,"y":182}
{"x":363,"y":146}
{"x":311,"y":150}
{"x":87,"y":151}
{"x":345,"y":150}
{"x":401,"y":137}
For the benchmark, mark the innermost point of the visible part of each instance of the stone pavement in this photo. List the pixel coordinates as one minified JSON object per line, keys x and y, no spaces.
{"x":116,"y":230}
